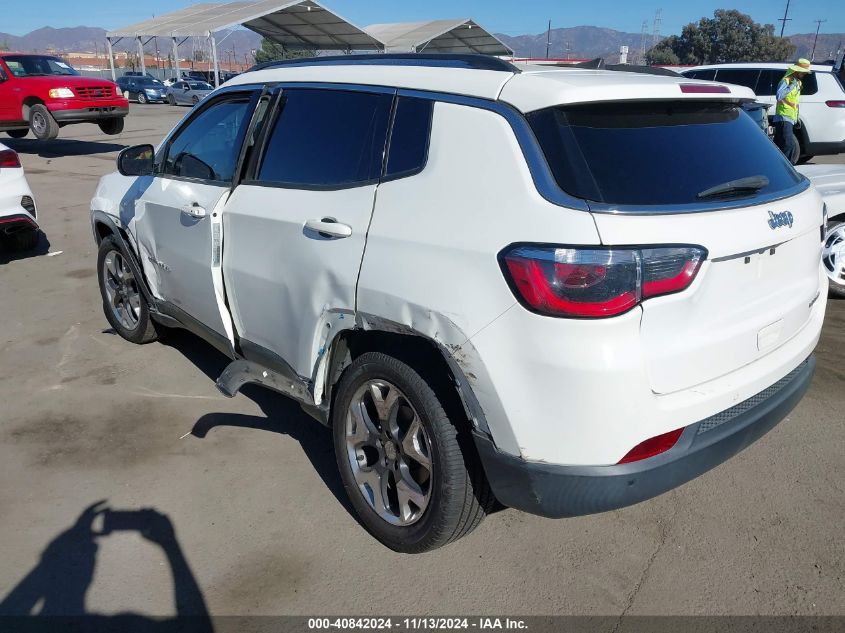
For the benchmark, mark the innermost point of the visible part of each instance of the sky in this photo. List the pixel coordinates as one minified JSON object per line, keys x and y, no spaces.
{"x":503,"y":16}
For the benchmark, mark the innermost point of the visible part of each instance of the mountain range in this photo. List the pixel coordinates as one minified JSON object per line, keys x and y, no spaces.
{"x":576,"y":42}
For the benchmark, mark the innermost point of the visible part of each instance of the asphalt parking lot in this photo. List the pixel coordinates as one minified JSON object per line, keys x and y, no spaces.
{"x":250,"y":489}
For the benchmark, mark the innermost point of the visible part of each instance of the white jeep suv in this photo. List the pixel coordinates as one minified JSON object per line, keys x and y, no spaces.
{"x":566,"y":290}
{"x":821,"y":112}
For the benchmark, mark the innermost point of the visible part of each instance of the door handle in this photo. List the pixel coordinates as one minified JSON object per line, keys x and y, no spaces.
{"x":329,"y":227}
{"x":194,"y":210}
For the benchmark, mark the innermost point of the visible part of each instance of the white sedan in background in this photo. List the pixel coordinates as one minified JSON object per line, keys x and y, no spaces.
{"x":18,"y":224}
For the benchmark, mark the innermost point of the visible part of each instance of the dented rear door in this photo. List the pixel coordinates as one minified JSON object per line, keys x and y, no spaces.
{"x":296,"y":228}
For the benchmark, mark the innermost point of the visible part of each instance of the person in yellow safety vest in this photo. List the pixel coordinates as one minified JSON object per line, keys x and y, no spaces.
{"x":786,"y":111}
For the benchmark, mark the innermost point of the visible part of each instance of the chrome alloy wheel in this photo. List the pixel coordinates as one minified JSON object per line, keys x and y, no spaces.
{"x":389,"y":452}
{"x":39,"y":123}
{"x":833,"y":254}
{"x":122,"y":294}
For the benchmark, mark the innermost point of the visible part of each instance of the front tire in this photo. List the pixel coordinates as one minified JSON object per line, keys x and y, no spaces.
{"x":833,"y":257}
{"x":171,"y":100}
{"x":111,"y":126}
{"x":195,"y":100}
{"x":124,"y":304}
{"x":17,"y":133}
{"x":410,"y":472}
{"x":44,"y":127}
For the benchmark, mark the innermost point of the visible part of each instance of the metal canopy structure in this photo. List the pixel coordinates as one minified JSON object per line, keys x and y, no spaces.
{"x":438,"y":36}
{"x":298,"y":24}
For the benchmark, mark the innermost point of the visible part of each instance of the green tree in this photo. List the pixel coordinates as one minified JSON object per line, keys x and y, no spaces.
{"x":730,"y":36}
{"x":271,"y":51}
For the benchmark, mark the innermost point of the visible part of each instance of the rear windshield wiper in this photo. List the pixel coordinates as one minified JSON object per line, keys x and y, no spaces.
{"x":750,"y":184}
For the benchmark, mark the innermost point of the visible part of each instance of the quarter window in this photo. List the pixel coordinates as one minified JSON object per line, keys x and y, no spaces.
{"x":327,"y":138}
{"x":410,"y":137}
{"x":767,"y":84}
{"x":208,"y":146}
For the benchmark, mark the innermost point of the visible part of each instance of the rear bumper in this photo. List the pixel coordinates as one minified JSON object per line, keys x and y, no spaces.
{"x":560,"y":491}
{"x":17,"y":222}
{"x":91,"y":113}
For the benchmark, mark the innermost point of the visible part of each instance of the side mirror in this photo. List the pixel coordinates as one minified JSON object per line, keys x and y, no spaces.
{"x":3,"y":76}
{"x":186,"y":88}
{"x":136,"y":161}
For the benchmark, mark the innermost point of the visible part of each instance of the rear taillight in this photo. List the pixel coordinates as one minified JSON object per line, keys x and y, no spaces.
{"x":652,"y":446}
{"x":595,"y":283}
{"x":9,"y":158}
{"x":835,"y":104}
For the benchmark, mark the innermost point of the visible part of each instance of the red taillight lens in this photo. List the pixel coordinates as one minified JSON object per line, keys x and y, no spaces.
{"x":705,"y":89}
{"x":8,"y":158}
{"x":652,"y":446}
{"x":835,"y":104}
{"x":594,"y":283}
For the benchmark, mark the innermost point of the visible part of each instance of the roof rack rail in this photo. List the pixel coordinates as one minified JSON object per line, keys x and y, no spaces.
{"x":429,"y":60}
{"x":599,"y":64}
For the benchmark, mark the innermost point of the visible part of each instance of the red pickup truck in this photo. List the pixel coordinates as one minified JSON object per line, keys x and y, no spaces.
{"x":42,"y":93}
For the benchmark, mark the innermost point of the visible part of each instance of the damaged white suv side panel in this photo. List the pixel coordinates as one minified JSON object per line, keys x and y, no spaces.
{"x":469,"y":274}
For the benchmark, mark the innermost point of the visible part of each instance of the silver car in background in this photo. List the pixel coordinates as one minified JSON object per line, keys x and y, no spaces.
{"x":188,"y":92}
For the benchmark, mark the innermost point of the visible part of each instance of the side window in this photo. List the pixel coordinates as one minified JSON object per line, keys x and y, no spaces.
{"x":326,"y":138}
{"x":207,"y":147}
{"x":706,"y":75}
{"x":767,"y":84}
{"x":410,"y":137}
{"x":809,"y":85}
{"x":740,"y":76}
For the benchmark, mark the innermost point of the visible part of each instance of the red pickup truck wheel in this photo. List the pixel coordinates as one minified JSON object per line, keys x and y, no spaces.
{"x":111,"y":126}
{"x":42,"y":123}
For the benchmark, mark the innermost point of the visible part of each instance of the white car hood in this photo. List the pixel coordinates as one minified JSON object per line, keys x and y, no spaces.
{"x":829,"y":181}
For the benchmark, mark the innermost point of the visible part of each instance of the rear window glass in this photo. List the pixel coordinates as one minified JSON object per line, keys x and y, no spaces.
{"x":739,"y":76}
{"x":327,"y":138}
{"x":663,"y":153}
{"x":707,"y":75}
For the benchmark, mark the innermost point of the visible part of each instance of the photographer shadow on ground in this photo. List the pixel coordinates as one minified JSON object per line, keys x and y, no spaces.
{"x":52,"y":596}
{"x":42,"y":247}
{"x":62,"y":147}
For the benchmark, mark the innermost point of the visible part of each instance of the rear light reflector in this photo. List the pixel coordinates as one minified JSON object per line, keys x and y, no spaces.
{"x":9,"y":158}
{"x":835,"y":104}
{"x":705,"y":89}
{"x":595,"y":283}
{"x":652,"y":446}
{"x":29,"y":204}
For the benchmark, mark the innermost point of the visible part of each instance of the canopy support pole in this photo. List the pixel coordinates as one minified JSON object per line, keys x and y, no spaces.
{"x":214,"y":57}
{"x":176,"y":59}
{"x":141,"y":53}
{"x":111,"y":59}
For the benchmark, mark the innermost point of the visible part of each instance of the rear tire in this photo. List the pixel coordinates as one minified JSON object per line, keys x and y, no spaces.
{"x":124,"y":304}
{"x":111,"y":126}
{"x":195,"y":100}
{"x":17,"y":133}
{"x":142,"y":98}
{"x":833,"y":257}
{"x":410,"y":507}
{"x":22,"y":240}
{"x":44,"y":127}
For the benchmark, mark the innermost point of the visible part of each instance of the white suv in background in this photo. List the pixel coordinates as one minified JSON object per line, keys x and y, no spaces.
{"x":567,"y":290}
{"x":18,"y":224}
{"x":821,"y":112}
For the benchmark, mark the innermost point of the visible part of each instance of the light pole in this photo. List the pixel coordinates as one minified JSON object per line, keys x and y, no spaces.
{"x":815,"y":41}
{"x":784,"y":19}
